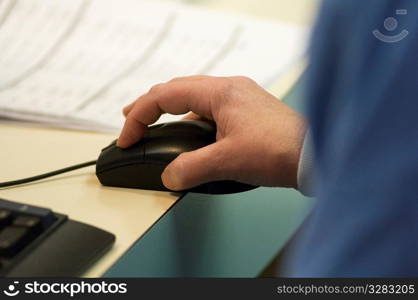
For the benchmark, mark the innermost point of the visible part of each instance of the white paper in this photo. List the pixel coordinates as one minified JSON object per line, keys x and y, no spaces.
{"x":76,"y":63}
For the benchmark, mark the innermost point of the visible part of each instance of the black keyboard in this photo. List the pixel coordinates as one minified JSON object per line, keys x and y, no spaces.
{"x":35,"y":241}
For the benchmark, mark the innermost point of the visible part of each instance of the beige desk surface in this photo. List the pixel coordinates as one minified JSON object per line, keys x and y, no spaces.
{"x":127,"y":213}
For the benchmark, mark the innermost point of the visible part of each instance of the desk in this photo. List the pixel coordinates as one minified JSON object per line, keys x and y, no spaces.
{"x":127,"y":213}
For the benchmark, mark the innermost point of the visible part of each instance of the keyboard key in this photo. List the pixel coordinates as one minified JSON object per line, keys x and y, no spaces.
{"x":27,"y":221}
{"x":6,"y":217}
{"x":46,"y":215}
{"x":12,"y":239}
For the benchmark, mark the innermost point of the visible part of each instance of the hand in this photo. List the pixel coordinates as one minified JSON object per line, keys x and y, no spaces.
{"x":258,"y":138}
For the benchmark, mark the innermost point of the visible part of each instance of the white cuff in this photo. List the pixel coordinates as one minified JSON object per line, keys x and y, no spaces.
{"x":306,"y":168}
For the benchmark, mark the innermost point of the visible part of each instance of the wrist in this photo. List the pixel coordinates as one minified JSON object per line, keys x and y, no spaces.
{"x":288,"y":153}
{"x":295,"y":153}
{"x":305,"y":177}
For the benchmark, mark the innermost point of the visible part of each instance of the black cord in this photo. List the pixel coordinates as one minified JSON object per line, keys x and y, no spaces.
{"x":46,"y":175}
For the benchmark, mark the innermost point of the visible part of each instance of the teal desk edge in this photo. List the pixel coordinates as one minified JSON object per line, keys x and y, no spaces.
{"x":218,"y":235}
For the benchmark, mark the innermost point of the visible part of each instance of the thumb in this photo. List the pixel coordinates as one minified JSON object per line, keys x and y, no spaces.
{"x":193,"y":168}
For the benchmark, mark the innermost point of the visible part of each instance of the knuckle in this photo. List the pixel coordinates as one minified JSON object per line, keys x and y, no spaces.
{"x":228,"y":86}
{"x":131,"y":118}
{"x":225,"y":89}
{"x":176,"y":79}
{"x":243,"y":80}
{"x":225,"y":85}
{"x":228,"y":92}
{"x":157,"y":89}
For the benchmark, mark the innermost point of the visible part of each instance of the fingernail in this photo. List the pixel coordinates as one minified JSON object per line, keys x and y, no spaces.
{"x":171,"y":180}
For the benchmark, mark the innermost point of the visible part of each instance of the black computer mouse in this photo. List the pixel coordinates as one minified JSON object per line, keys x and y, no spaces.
{"x":140,"y":166}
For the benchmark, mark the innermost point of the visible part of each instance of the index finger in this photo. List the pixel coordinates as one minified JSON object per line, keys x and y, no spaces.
{"x":174,"y":97}
{"x":129,"y":107}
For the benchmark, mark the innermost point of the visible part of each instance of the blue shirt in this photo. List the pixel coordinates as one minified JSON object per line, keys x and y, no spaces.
{"x":362,"y":104}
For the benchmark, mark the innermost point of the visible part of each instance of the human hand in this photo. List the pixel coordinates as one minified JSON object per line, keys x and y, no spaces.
{"x":258,"y":140}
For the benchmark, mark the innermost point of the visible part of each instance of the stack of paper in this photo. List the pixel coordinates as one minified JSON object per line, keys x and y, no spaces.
{"x":76,"y":63}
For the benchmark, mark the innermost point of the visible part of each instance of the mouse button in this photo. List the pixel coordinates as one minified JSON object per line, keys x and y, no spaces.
{"x":112,"y":144}
{"x":113,"y":156}
{"x":160,"y":130}
{"x":185,"y":128}
{"x":163,"y":150}
{"x":141,"y":176}
{"x":149,"y":131}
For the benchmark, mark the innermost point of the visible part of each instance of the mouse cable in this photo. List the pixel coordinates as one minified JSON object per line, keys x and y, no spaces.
{"x":46,"y":175}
